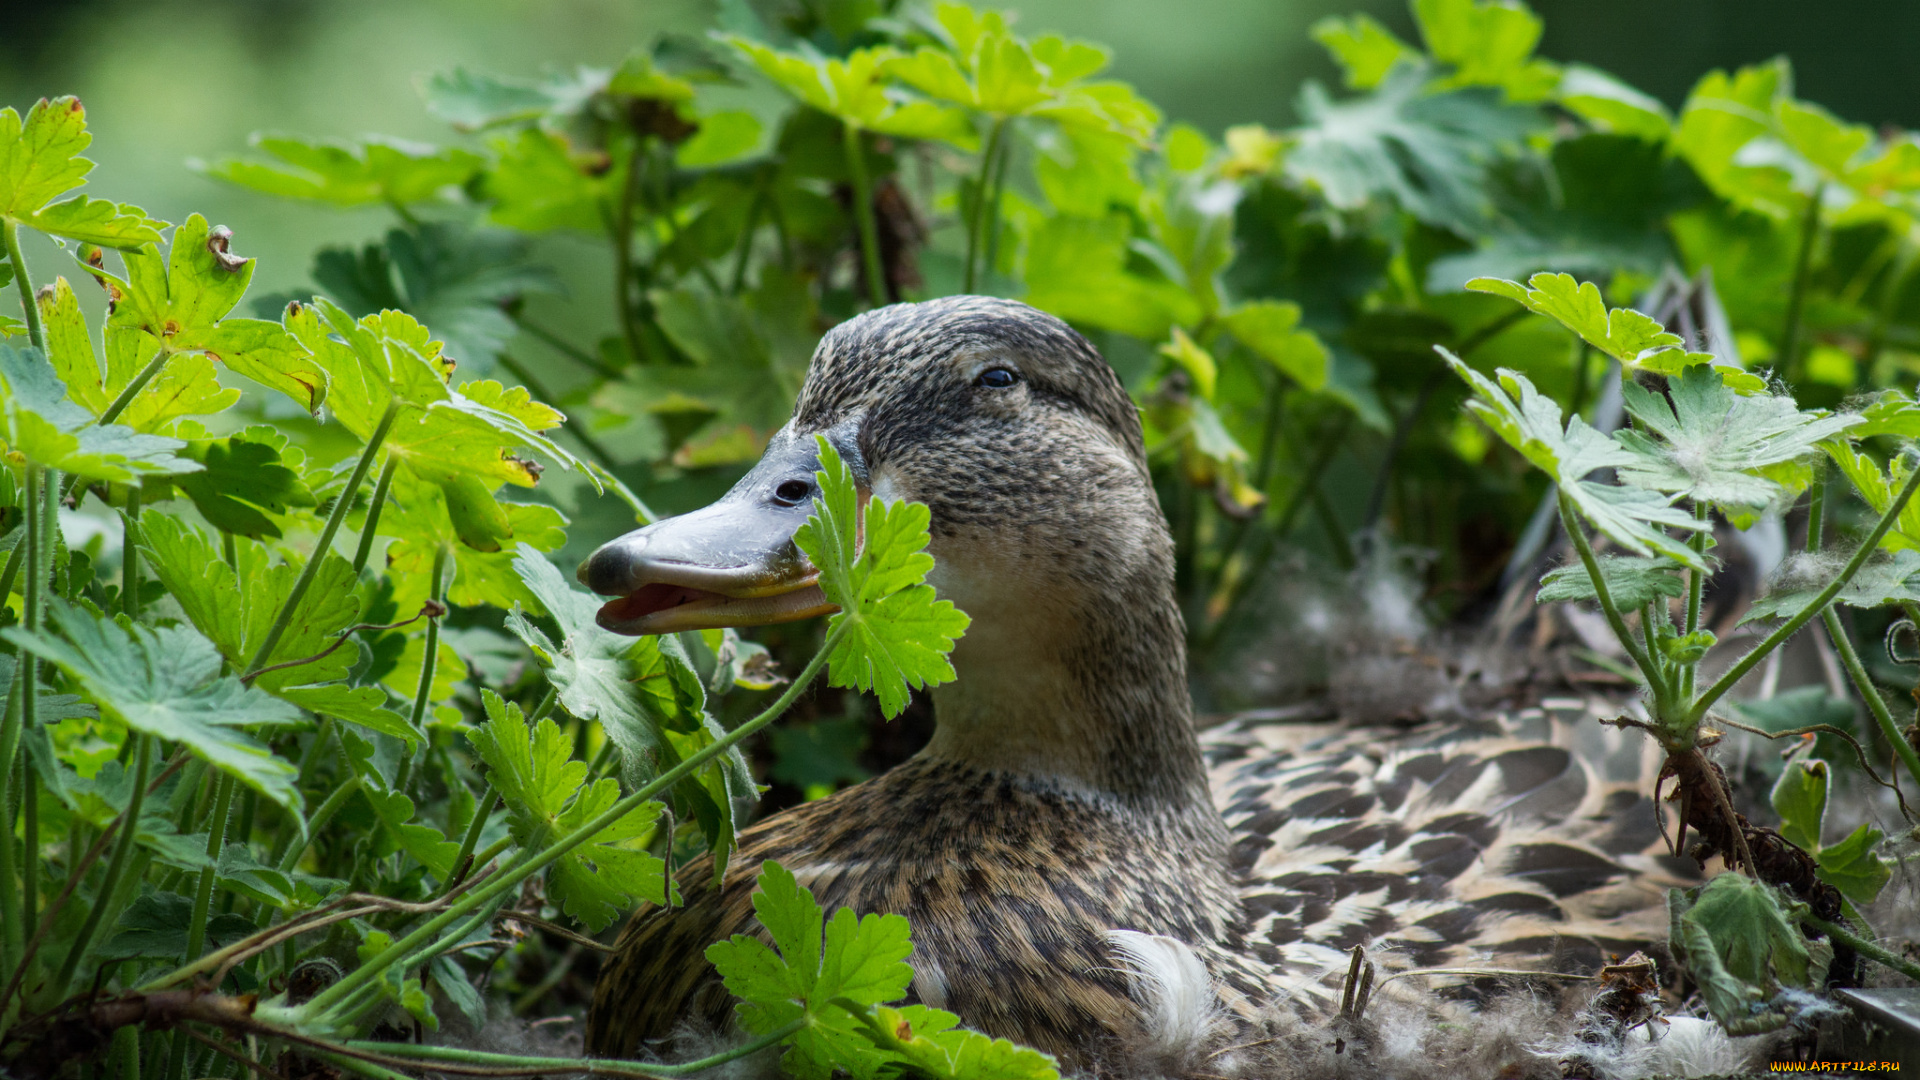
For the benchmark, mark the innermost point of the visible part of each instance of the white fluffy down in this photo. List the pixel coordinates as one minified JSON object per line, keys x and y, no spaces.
{"x":1174,"y":991}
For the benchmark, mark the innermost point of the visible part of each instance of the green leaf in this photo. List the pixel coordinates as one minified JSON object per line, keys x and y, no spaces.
{"x":643,"y":691}
{"x":40,"y":156}
{"x":1885,"y":581}
{"x":1632,"y":582}
{"x":1271,"y":329}
{"x":97,"y":221}
{"x":1800,"y":798}
{"x":1740,"y":939}
{"x":1364,"y":49}
{"x":545,"y":789}
{"x":822,"y":754}
{"x":1716,"y":442}
{"x":375,"y":170}
{"x":852,"y":91}
{"x":1427,"y":153}
{"x":723,"y":137}
{"x":471,"y":101}
{"x":157,"y":925}
{"x":183,"y":301}
{"x":455,"y":279}
{"x":838,"y":972}
{"x":1853,"y":867}
{"x":898,"y":634}
{"x":1077,"y":268}
{"x":1878,"y":488}
{"x":1612,"y":105}
{"x":537,"y":184}
{"x":242,"y":481}
{"x":930,"y":1045}
{"x":167,"y":683}
{"x":1488,"y":43}
{"x":1634,"y":518}
{"x":418,"y":515}
{"x":39,"y":421}
{"x":1797,"y":708}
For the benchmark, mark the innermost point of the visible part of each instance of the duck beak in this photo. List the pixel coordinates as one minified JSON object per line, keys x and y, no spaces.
{"x":733,"y":563}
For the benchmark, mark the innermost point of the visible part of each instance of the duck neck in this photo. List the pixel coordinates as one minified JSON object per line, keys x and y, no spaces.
{"x":1088,"y":696}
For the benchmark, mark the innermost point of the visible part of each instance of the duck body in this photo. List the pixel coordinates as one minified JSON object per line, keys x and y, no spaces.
{"x":1084,"y":872}
{"x":1012,"y":888}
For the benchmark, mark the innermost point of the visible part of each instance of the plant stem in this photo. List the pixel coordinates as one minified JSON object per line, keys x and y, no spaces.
{"x":745,"y":250}
{"x":980,"y":202}
{"x":36,"y":334}
{"x":1869,"y":949}
{"x":1876,"y":704}
{"x":126,"y":1050}
{"x":991,"y":257}
{"x":424,"y":693}
{"x":622,"y":227}
{"x":122,"y":852}
{"x":12,"y":569}
{"x":1655,"y":678}
{"x":130,"y":555}
{"x":545,"y":705}
{"x":29,"y":846}
{"x":527,"y":865}
{"x":318,"y":820}
{"x":482,"y":810}
{"x":1796,"y":299}
{"x":1800,"y":618}
{"x":320,"y":549}
{"x":139,"y":382}
{"x":372,"y":524}
{"x":863,"y":218}
{"x":203,"y":899}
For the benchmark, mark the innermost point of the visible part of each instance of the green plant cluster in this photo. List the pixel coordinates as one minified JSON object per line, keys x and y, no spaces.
{"x":328,"y":696}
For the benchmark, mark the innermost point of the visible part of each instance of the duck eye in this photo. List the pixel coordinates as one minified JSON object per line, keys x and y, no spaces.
{"x":792,"y":492}
{"x":998,"y":378}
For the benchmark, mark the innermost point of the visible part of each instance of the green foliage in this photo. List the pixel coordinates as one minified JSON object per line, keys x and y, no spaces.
{"x":836,"y":974}
{"x":167,"y":683}
{"x":1270,"y":299}
{"x":548,"y":796}
{"x":892,"y":634}
{"x":1740,"y":939}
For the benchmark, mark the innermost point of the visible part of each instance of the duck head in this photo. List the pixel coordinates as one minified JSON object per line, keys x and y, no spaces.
{"x":1027,"y":450}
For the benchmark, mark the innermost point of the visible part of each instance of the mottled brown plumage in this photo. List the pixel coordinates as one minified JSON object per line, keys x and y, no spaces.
{"x":1065,"y":794}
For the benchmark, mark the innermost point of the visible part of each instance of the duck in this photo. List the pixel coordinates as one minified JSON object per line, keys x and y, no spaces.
{"x":1085,"y":871}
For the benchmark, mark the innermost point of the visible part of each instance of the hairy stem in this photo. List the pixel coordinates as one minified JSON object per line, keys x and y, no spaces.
{"x":116,"y":868}
{"x":1868,"y":546}
{"x":1655,"y":677}
{"x":325,"y":544}
{"x":527,"y":865}
{"x":318,"y":820}
{"x":372,"y":525}
{"x":36,"y":334}
{"x":1870,"y":949}
{"x":424,"y":693}
{"x":482,"y":810}
{"x":863,"y":218}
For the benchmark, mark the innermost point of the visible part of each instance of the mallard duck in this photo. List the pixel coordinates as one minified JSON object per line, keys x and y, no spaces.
{"x":1084,"y":872}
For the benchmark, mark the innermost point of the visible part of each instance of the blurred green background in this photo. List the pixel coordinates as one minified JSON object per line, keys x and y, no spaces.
{"x":165,"y":80}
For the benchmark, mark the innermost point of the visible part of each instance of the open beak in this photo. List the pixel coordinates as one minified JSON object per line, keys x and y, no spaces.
{"x":733,"y":563}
